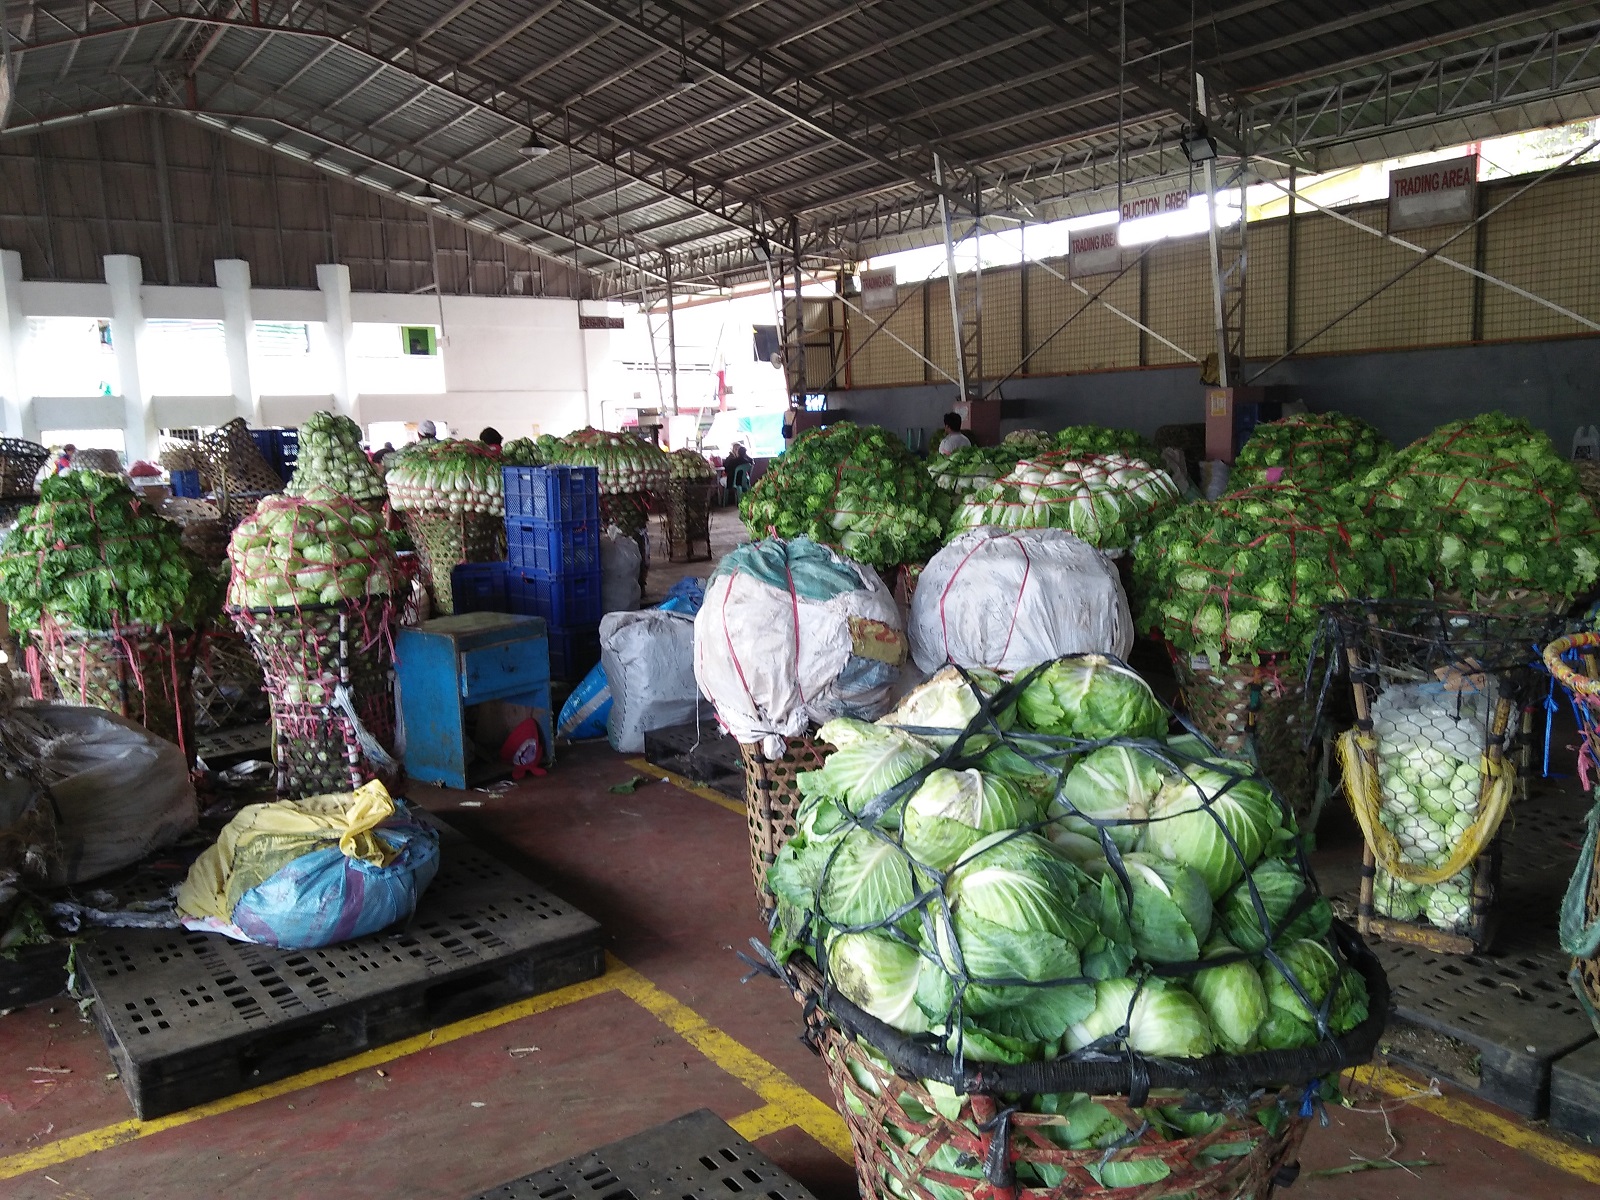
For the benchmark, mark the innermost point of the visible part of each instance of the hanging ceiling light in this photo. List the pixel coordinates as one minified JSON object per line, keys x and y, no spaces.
{"x":684,"y":81}
{"x":1198,"y":144}
{"x":427,"y":196}
{"x":535,"y":146}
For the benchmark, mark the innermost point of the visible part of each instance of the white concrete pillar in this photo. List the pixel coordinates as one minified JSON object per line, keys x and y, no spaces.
{"x":13,"y":335}
{"x":125,"y":276}
{"x":334,"y":280}
{"x":239,"y":332}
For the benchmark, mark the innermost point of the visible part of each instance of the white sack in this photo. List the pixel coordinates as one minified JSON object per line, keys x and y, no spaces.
{"x":1007,"y":599}
{"x":776,"y":663}
{"x":649,"y":662}
{"x":120,"y":791}
{"x":619,"y":573}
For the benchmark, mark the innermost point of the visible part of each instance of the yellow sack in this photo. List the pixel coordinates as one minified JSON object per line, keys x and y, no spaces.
{"x":262,"y":838}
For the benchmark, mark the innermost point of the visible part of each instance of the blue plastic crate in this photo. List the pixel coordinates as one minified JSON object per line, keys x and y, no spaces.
{"x":280,"y":447}
{"x":573,"y":652}
{"x":554,"y":548}
{"x":480,"y":587}
{"x":552,"y":494}
{"x":562,"y":600}
{"x":186,"y":484}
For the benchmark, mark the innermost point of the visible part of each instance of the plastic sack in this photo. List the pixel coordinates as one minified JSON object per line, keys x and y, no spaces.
{"x":119,"y":791}
{"x":299,"y":874}
{"x":792,"y":635}
{"x":619,"y":572}
{"x":688,"y":595}
{"x":1008,"y":599}
{"x":588,"y":709}
{"x":649,"y":662}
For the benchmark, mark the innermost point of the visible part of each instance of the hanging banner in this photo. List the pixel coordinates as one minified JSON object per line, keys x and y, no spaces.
{"x":1093,"y":252}
{"x":1437,"y":193}
{"x":879,"y":289}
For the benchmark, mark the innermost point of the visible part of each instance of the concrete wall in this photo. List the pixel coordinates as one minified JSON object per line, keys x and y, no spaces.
{"x":1555,"y":385}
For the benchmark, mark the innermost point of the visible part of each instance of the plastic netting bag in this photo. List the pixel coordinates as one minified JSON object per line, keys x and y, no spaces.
{"x":1245,"y":575}
{"x":1005,"y":600}
{"x":1043,"y":870}
{"x":1106,"y":500}
{"x":304,"y":551}
{"x":792,"y":634}
{"x":330,"y":456}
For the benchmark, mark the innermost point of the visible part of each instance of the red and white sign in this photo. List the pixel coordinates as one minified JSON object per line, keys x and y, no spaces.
{"x":1154,"y":206}
{"x":878,"y":289}
{"x":1436,"y":193}
{"x":1093,"y":252}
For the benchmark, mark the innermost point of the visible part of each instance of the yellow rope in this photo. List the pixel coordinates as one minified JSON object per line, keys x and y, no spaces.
{"x":1357,"y":754}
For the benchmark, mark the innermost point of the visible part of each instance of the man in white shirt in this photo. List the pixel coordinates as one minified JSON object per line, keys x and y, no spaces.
{"x":954,"y":439}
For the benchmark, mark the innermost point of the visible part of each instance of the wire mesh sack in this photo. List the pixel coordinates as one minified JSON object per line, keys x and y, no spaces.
{"x":1040,"y":873}
{"x":233,"y":462}
{"x":1428,"y":769}
{"x":20,"y":462}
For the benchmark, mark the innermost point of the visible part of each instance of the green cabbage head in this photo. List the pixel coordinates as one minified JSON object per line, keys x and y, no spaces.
{"x":1091,"y":697}
{"x":1163,"y":1019}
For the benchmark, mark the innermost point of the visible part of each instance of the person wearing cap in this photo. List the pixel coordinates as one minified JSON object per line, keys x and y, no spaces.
{"x":427,"y":431}
{"x":490,"y":437}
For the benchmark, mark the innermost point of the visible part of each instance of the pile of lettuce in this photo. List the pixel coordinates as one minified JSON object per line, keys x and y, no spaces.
{"x":628,"y":464}
{"x":690,"y":467}
{"x":1033,"y":870}
{"x":852,"y":487}
{"x":91,"y":555}
{"x":1317,"y":451}
{"x":1025,"y":443}
{"x":971,"y":467}
{"x":1106,"y":500}
{"x":1243,"y":576}
{"x":1482,"y":507}
{"x":1079,"y":440}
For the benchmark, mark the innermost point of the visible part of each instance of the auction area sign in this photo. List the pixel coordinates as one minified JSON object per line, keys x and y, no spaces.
{"x":1093,"y":252}
{"x":1435,"y":193}
{"x":1151,"y":206}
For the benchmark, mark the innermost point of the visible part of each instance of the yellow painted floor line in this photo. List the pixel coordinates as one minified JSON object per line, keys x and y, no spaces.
{"x":1386,"y":1081}
{"x":76,"y":1146}
{"x":815,"y":1116}
{"x":688,"y":785}
{"x":759,"y":1122}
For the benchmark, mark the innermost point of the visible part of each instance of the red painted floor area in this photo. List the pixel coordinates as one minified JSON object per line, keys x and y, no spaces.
{"x":667,"y":874}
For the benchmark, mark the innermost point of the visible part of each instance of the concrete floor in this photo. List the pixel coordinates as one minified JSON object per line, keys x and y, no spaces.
{"x":669,"y":1029}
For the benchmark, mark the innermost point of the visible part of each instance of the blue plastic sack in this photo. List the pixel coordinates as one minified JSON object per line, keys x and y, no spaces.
{"x":686,"y":596}
{"x":325,"y":897}
{"x":584,"y":714}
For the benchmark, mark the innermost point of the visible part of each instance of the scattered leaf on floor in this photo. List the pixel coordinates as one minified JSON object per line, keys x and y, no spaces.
{"x":628,"y":786}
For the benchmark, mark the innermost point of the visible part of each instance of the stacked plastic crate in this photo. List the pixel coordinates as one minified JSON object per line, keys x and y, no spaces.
{"x":553,"y":552}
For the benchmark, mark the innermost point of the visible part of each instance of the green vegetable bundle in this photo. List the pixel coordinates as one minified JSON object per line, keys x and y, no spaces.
{"x":1106,"y":500}
{"x":331,"y":457}
{"x":300,"y":551}
{"x":1243,"y":576}
{"x":522,"y":452}
{"x":1079,"y":440}
{"x":628,"y":464}
{"x":93,"y":556}
{"x":971,"y":467}
{"x":688,"y":466}
{"x":1318,"y":451}
{"x":853,"y":487}
{"x":1033,"y":870}
{"x":447,"y":477}
{"x":1483,"y":508}
{"x":1025,"y":443}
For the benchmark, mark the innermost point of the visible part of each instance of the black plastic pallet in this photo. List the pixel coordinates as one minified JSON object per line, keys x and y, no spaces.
{"x":35,"y":973}
{"x":192,"y":1017}
{"x":697,"y":1157}
{"x":702,"y":753}
{"x":1495,"y":1022}
{"x":225,"y":745}
{"x":1575,"y":1094}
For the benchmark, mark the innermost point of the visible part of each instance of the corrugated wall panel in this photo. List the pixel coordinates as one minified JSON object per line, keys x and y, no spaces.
{"x":882,"y":361}
{"x":941,"y":335}
{"x":1178,"y":299}
{"x":1548,"y":242}
{"x":1266,"y":290}
{"x":1002,"y":321}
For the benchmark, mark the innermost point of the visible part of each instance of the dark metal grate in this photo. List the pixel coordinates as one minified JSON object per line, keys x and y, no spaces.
{"x":696,"y":1157}
{"x":193,"y":1016}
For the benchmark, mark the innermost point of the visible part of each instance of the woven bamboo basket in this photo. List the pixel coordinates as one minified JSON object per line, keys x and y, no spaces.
{"x":20,"y":462}
{"x":1254,"y":711}
{"x":772,"y":800}
{"x":228,"y":688}
{"x":688,"y":519}
{"x":446,"y":540}
{"x":902,"y":1142}
{"x":144,"y":674}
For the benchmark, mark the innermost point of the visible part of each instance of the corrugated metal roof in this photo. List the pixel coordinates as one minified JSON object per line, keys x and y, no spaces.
{"x":806,"y":111}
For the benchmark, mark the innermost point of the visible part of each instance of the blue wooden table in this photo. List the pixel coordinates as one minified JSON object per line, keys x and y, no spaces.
{"x":446,"y":666}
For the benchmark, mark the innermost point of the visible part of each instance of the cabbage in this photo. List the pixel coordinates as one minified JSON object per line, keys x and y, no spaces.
{"x":867,"y":761}
{"x":952,"y":810}
{"x":1090,"y":696}
{"x":1292,"y":1023}
{"x":949,"y":701}
{"x":1161,"y":1018}
{"x":878,"y":975}
{"x":1188,"y":817}
{"x":860,"y":878}
{"x":1167,"y":907}
{"x":1279,"y":885}
{"x":1086,"y":1125}
{"x":1014,"y":916}
{"x":1234,"y":998}
{"x":1115,"y":783}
